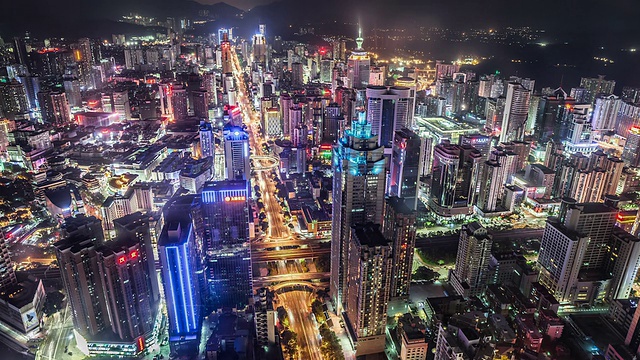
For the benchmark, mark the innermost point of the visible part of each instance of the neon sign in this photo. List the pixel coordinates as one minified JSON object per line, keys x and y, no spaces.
{"x":234,"y":198}
{"x":122,"y":259}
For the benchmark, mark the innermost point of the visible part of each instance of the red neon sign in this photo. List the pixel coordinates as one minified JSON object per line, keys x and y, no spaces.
{"x":140,"y":343}
{"x":122,"y":259}
{"x":134,"y":254}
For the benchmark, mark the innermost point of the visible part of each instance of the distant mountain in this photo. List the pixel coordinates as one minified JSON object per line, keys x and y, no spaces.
{"x":96,"y":17}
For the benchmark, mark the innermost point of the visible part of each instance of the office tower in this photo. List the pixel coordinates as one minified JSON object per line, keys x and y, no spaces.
{"x":199,"y":104}
{"x":148,"y":109}
{"x":127,"y":269}
{"x":226,"y":239}
{"x":367,"y":290}
{"x":54,"y":108}
{"x":13,"y":98}
{"x":236,"y":153}
{"x":358,"y":65}
{"x":516,"y":109}
{"x":332,"y":123}
{"x":521,"y":149}
{"x":573,"y":243}
{"x":625,"y":253}
{"x":7,"y":273}
{"x":326,"y":70}
{"x":482,"y":143}
{"x":295,"y":117}
{"x":178,"y":98}
{"x":399,"y":229}
{"x":72,"y":89}
{"x":388,"y":110}
{"x":358,"y":194}
{"x":453,"y":183}
{"x":207,"y":142}
{"x":121,"y":104}
{"x":492,"y":182}
{"x":596,"y":86}
{"x":32,"y":88}
{"x":405,"y":163}
{"x":553,"y":117}
{"x":79,"y":265}
{"x":286,"y":102}
{"x":259,"y":48}
{"x":471,"y":273}
{"x":494,"y":113}
{"x":83,"y":57}
{"x":178,"y":258}
{"x":20,"y":51}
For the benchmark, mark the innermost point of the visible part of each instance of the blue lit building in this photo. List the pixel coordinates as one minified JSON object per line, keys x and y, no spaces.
{"x":177,"y":252}
{"x":226,"y":218}
{"x":358,"y":194}
{"x":236,"y":153}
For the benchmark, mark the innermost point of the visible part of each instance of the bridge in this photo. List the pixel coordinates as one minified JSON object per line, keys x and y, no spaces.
{"x":499,"y":236}
{"x":258,"y":246}
{"x":298,"y":285}
{"x":293,"y":254}
{"x":284,"y":278}
{"x":258,"y":162}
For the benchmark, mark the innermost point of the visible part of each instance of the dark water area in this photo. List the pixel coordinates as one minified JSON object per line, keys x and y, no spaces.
{"x":551,"y":65}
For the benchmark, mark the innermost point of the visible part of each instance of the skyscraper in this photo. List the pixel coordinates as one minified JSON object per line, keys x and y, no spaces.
{"x":121,"y":104}
{"x":367,"y":289}
{"x":596,"y":86}
{"x":516,"y":109}
{"x":236,"y":153}
{"x":226,"y":235}
{"x":358,"y":65}
{"x":454,"y":175}
{"x":7,"y":274}
{"x":207,"y":143}
{"x":54,"y":108}
{"x":200,"y":104}
{"x":177,"y":252}
{"x":400,"y":230}
{"x":358,"y":194}
{"x":471,"y":273}
{"x":405,"y":163}
{"x":178,"y":98}
{"x":388,"y":110}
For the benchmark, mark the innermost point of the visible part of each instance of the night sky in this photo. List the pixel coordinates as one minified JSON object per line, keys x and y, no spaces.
{"x":240,"y":4}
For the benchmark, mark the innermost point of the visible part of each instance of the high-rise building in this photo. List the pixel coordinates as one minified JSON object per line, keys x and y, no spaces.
{"x":399,"y":229}
{"x":236,"y":153}
{"x":625,"y":252}
{"x":178,"y":258}
{"x":574,"y":242}
{"x":207,"y":143}
{"x":200,"y":104}
{"x":596,"y":86}
{"x":358,"y":195}
{"x":358,"y":65}
{"x":20,"y":51}
{"x":369,"y":257}
{"x":454,"y":175}
{"x":54,"y":108}
{"x":121,"y":104}
{"x":272,"y":124}
{"x":178,"y":99}
{"x":13,"y":99}
{"x":7,"y":273}
{"x":631,"y":152}
{"x":471,"y":273}
{"x":388,"y":110}
{"x":405,"y":164}
{"x":605,"y":112}
{"x":78,"y":260}
{"x":226,"y":239}
{"x":72,"y":89}
{"x":332,"y":122}
{"x":516,"y":110}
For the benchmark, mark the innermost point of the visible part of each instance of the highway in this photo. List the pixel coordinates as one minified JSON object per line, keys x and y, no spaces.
{"x":266,"y":280}
{"x":297,"y":303}
{"x":259,"y":246}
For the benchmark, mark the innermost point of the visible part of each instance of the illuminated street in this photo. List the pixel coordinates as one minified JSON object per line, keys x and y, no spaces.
{"x":298,"y":305}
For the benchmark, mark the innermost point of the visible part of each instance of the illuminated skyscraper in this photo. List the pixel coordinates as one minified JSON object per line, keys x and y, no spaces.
{"x":13,"y":99}
{"x":54,"y":108}
{"x":236,"y":153}
{"x":207,"y":143}
{"x":178,"y":98}
{"x":226,"y":58}
{"x":516,"y":110}
{"x":358,"y":194}
{"x":121,"y":104}
{"x":471,"y":273}
{"x":596,"y":86}
{"x":7,"y":274}
{"x":388,"y":110}
{"x":367,"y":293}
{"x":454,"y":175}
{"x":226,"y":210}
{"x":400,"y":230}
{"x":177,"y":252}
{"x":358,"y":65}
{"x":405,"y":164}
